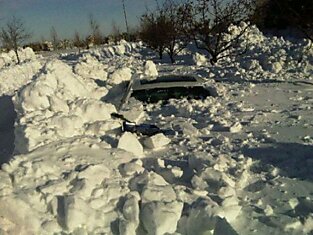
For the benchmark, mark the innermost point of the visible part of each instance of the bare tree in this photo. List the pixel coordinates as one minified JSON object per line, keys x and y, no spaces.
{"x":125,"y":16}
{"x":115,"y":32}
{"x":207,"y":22}
{"x":162,"y":29}
{"x":152,"y":32}
{"x":54,"y":38}
{"x":13,"y":35}
{"x":95,"y":30}
{"x":175,"y":38}
{"x":77,"y":41}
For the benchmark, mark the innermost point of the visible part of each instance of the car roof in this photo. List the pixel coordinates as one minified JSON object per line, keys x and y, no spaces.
{"x":164,"y":81}
{"x":167,"y":81}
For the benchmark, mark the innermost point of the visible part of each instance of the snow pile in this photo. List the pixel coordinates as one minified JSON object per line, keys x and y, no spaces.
{"x":80,"y":187}
{"x":89,"y":67}
{"x":199,"y":59}
{"x":58,"y":105}
{"x":150,"y":69}
{"x":122,"y":49}
{"x":222,"y":165}
{"x":77,"y":188}
{"x":14,"y":77}
{"x":27,"y":54}
{"x":9,"y":58}
{"x":264,"y":58}
{"x":120,"y":75}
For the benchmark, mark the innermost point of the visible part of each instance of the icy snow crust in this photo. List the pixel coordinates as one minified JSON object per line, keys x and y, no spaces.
{"x":238,"y":163}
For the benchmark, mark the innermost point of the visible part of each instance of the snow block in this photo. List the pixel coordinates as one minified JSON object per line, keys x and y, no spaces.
{"x":120,"y":75}
{"x":150,"y":69}
{"x":235,"y":128}
{"x":156,"y":141}
{"x":74,"y":212}
{"x":130,"y":218}
{"x":159,"y":218}
{"x":199,"y":59}
{"x":130,"y":143}
{"x":202,"y":217}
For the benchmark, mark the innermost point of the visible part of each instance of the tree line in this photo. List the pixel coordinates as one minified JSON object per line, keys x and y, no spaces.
{"x":173,"y":25}
{"x":170,"y":27}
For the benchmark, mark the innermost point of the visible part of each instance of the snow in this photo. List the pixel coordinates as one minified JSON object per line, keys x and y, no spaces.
{"x":57,"y":105}
{"x":8,"y":59}
{"x":157,"y":141}
{"x":199,"y":59}
{"x":12,"y":78}
{"x":120,"y":75}
{"x":150,"y":69}
{"x":237,"y":162}
{"x":90,"y":68}
{"x":161,"y":217}
{"x":130,"y":143}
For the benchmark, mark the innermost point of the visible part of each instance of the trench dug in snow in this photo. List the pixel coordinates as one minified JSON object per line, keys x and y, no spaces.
{"x":7,"y":119}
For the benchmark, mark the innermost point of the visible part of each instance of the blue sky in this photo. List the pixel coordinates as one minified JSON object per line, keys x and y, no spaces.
{"x":70,"y":15}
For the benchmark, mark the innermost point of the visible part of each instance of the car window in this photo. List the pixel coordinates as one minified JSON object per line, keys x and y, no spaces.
{"x":157,"y":94}
{"x":169,"y":78}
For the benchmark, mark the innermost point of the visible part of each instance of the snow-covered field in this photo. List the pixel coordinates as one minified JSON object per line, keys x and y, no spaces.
{"x":238,"y":162}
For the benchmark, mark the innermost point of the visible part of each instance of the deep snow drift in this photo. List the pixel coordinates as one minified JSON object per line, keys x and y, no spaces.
{"x":238,"y":162}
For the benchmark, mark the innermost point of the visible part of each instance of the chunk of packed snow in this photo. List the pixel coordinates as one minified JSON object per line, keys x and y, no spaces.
{"x":160,"y":218}
{"x":90,"y":68}
{"x":120,"y":75}
{"x":199,"y":59}
{"x":156,"y":141}
{"x":235,"y":128}
{"x":130,"y":143}
{"x":133,"y":111}
{"x":150,"y":69}
{"x":129,"y":222}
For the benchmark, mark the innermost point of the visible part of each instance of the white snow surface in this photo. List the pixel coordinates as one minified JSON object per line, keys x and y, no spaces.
{"x":58,"y":105}
{"x":12,"y":78}
{"x":7,"y":59}
{"x":150,"y":69}
{"x":238,"y":162}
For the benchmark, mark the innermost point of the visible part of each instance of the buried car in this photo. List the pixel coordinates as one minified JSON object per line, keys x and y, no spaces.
{"x":167,"y":87}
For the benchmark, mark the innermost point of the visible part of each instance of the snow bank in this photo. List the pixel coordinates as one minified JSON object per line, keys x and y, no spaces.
{"x":58,"y":105}
{"x":89,"y":67}
{"x":273,"y":57}
{"x":9,"y":58}
{"x":264,"y":57}
{"x":122,"y":49}
{"x":82,"y":187}
{"x":75,"y":186}
{"x":14,"y":77}
{"x":120,"y":75}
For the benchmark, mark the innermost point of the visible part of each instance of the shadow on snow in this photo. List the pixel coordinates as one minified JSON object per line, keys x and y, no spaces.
{"x":292,"y":159}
